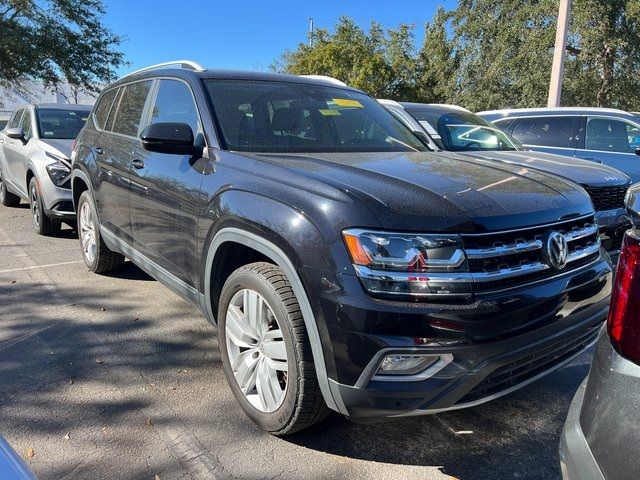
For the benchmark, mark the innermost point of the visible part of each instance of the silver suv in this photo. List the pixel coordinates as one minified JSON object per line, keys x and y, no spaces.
{"x":35,"y":149}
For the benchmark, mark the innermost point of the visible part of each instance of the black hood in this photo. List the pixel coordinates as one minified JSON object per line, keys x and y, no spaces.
{"x":584,"y":172}
{"x":438,"y":191}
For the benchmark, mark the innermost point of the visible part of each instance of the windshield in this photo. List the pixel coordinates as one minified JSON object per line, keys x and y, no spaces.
{"x":284,"y":117}
{"x":60,"y":124}
{"x":464,"y":131}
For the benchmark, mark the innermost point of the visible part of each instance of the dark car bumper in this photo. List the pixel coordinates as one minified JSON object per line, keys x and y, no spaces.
{"x":493,"y":346}
{"x":63,"y":211}
{"x":613,"y":224}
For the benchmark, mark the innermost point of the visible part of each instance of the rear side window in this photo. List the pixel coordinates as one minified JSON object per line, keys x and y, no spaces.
{"x":609,"y":135}
{"x":174,"y":103}
{"x":546,"y":131}
{"x":102,"y":109}
{"x":129,"y":113}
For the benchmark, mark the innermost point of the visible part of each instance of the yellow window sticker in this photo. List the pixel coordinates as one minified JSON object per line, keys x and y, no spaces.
{"x":327,"y":112}
{"x":346,"y":102}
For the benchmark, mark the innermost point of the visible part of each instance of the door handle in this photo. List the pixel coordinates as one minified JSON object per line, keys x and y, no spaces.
{"x":99,"y":150}
{"x":137,"y":163}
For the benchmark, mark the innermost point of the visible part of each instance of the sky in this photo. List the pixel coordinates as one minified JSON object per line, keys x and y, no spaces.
{"x":242,"y":34}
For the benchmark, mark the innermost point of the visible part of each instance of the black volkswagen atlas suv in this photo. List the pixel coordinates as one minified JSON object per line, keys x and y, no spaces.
{"x":346,"y":266}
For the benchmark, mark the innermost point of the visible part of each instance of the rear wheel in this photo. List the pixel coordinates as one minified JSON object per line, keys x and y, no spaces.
{"x":7,"y":198}
{"x":95,"y":253}
{"x":42,"y":224}
{"x":266,"y":355}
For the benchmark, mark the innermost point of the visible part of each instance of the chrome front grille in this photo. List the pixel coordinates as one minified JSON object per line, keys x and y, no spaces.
{"x":507,"y":259}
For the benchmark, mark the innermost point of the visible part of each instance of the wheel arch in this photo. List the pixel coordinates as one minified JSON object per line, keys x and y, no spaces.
{"x":274,"y":254}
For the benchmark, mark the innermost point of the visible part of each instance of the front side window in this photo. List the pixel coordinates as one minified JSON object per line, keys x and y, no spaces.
{"x":127,"y":119}
{"x":174,"y":103}
{"x":546,"y":131}
{"x":14,"y":121}
{"x":609,"y":135}
{"x":60,"y":124}
{"x":26,"y":124}
{"x":283,"y":117}
{"x":464,"y":131}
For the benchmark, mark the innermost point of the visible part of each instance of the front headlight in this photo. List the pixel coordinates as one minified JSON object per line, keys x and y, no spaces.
{"x":58,"y":171}
{"x":415,"y":265}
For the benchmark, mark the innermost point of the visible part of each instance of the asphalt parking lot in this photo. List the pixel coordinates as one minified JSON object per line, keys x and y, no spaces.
{"x":109,"y":377}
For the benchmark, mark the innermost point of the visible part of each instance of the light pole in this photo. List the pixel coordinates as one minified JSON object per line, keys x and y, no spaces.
{"x":311,"y":32}
{"x":559,"y":54}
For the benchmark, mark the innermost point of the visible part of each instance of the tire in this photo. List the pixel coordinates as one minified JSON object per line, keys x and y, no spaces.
{"x":7,"y":198}
{"x":96,"y":255}
{"x":280,"y":410}
{"x":42,"y":224}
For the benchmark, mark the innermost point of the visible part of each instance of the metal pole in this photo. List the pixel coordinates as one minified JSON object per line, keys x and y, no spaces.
{"x":311,"y":32}
{"x":559,"y":54}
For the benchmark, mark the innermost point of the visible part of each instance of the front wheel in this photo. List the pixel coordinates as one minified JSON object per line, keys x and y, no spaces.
{"x":42,"y":224}
{"x":96,"y":255}
{"x":266,"y":355}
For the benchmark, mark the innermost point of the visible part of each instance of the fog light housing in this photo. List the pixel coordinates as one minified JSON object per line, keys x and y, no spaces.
{"x":405,"y":364}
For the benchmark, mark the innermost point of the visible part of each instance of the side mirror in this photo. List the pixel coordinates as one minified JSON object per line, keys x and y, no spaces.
{"x":632,"y":203}
{"x":15,"y":132}
{"x":638,"y":151}
{"x":169,"y":137}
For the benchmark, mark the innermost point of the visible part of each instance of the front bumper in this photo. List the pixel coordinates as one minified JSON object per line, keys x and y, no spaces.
{"x":500,"y":342}
{"x":613,"y":224}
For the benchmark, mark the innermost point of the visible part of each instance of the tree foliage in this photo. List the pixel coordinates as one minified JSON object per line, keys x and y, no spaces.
{"x":487,"y":54}
{"x":57,"y":41}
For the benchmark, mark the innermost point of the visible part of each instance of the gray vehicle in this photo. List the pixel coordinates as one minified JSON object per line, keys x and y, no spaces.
{"x":602,"y":433}
{"x":35,"y":152}
{"x":453,"y":128}
{"x":602,"y":135}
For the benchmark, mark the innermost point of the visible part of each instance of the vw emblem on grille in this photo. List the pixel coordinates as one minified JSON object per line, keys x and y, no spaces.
{"x":557,"y":251}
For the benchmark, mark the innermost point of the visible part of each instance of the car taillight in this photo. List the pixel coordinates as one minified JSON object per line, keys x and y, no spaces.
{"x":623,"y":324}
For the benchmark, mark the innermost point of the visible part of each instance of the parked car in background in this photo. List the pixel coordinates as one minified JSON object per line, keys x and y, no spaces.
{"x":347,"y":266}
{"x":456,"y":129}
{"x":602,"y":432}
{"x":602,"y":135}
{"x":4,"y":118}
{"x":35,"y":150}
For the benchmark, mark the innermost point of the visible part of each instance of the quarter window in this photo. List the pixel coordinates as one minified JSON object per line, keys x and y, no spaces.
{"x":127,"y":121}
{"x":102,"y":109}
{"x":546,"y":131}
{"x":174,"y":103}
{"x":609,"y":135}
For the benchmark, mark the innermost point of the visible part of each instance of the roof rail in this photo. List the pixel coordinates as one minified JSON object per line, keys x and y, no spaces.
{"x":188,"y":64}
{"x":326,"y":78}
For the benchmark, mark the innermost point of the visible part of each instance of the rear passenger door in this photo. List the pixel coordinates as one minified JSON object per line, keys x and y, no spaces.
{"x":115,"y":151}
{"x":612,"y":141}
{"x":18,"y":162}
{"x":165,"y":188}
{"x":548,"y":134}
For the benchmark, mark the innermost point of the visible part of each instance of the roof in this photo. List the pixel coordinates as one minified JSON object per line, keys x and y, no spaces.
{"x":443,"y":107}
{"x":63,"y":106}
{"x":223,"y":74}
{"x":555,"y":111}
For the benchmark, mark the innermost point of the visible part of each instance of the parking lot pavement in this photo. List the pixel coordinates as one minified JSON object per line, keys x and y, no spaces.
{"x":116,"y":377}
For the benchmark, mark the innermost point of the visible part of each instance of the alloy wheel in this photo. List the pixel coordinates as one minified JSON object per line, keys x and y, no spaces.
{"x":87,"y":232}
{"x":256,"y":350}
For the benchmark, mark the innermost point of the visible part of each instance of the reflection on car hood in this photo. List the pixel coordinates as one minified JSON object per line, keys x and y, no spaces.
{"x":438,"y":191}
{"x":58,"y":147}
{"x":584,"y":172}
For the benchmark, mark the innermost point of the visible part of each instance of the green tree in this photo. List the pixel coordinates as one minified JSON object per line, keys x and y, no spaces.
{"x":382,"y":63}
{"x":57,"y":41}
